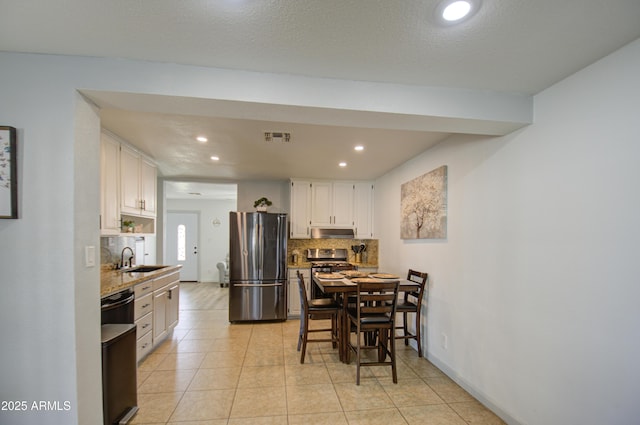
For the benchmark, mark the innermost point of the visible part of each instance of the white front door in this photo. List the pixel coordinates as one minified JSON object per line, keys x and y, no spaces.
{"x":182,"y":243}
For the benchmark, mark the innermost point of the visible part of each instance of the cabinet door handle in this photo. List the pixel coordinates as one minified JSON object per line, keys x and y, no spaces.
{"x":169,"y":294}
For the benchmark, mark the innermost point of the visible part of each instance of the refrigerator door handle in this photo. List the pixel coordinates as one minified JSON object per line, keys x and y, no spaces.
{"x":261,"y":249}
{"x":256,"y":285}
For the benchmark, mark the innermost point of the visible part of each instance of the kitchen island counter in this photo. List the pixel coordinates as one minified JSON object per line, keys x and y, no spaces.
{"x":112,"y":281}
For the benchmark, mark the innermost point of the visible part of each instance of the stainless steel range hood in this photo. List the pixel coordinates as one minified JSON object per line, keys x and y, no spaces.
{"x":319,"y":233}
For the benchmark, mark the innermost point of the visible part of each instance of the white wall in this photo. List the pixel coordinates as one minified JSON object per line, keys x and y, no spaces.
{"x":536,"y":286}
{"x":276,"y":192}
{"x":213,"y":241}
{"x":49,"y":311}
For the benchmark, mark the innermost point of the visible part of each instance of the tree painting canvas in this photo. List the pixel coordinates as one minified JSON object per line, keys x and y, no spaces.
{"x":424,"y":206}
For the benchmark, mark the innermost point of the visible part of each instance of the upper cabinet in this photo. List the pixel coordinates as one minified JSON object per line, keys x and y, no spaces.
{"x":326,"y":204}
{"x":128,"y":188}
{"x":363,"y":210}
{"x":137,"y":184}
{"x":109,"y":186}
{"x":332,"y":204}
{"x":300,"y":221}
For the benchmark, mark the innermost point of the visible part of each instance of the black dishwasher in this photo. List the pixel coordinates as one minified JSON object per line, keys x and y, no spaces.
{"x":117,"y":308}
{"x":119,"y":364}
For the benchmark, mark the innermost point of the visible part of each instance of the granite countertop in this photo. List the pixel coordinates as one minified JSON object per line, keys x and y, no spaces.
{"x":112,"y":281}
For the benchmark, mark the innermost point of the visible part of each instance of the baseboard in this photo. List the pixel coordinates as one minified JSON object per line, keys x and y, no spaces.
{"x":489,"y":404}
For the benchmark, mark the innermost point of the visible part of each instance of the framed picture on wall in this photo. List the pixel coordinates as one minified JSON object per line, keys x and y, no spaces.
{"x":8,"y":173}
{"x":424,"y":206}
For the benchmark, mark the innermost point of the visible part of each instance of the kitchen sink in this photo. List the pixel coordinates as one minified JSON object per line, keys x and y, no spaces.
{"x":144,"y":269}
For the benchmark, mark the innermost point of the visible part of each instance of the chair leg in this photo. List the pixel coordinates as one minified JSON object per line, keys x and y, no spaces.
{"x":392,"y":344}
{"x":418,"y":338}
{"x":304,"y":339}
{"x":405,"y":328}
{"x":300,"y":332}
{"x":358,"y":359}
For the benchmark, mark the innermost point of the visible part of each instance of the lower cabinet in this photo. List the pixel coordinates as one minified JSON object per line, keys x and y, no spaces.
{"x":166,"y":299}
{"x":144,"y":346}
{"x":156,"y":307}
{"x":369,"y":270}
{"x":143,"y":316}
{"x":294,"y":293}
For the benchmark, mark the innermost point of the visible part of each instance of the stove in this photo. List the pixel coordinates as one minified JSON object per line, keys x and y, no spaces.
{"x":331,"y":266}
{"x":327,"y":260}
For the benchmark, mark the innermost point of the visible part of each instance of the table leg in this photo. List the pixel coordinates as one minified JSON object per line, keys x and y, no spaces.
{"x":344,"y":340}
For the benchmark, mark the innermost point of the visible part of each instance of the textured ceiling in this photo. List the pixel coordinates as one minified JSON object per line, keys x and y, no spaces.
{"x":515,"y":46}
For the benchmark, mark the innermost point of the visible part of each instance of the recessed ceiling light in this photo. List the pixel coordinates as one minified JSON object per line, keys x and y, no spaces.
{"x":201,"y":139}
{"x":343,"y":164}
{"x":359,"y":148}
{"x":215,"y":158}
{"x":455,"y":11}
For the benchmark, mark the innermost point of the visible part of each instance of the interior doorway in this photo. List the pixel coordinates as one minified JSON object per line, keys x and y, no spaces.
{"x":212,"y":201}
{"x":182,"y":243}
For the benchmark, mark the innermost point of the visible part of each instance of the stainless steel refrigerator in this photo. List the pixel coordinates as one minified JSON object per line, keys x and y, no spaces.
{"x":257,"y":266}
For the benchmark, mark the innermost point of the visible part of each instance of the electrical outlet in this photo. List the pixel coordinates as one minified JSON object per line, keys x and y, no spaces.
{"x":444,"y":341}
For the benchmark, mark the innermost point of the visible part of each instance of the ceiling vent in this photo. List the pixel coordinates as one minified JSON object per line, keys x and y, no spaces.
{"x":274,"y":136}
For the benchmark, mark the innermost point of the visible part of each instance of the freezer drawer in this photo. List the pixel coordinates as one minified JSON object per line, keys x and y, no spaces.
{"x":254,"y":302}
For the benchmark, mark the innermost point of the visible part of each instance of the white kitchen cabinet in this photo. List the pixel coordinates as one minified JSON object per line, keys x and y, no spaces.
{"x":173,"y":305}
{"x":363,"y":210}
{"x":369,"y":270}
{"x":299,"y":220}
{"x":327,"y":204}
{"x":160,"y":317}
{"x":109,"y":185}
{"x":166,"y":305}
{"x":294,"y":292}
{"x":144,"y":345}
{"x":343,"y":204}
{"x":127,"y":187}
{"x":143,"y":317}
{"x":332,"y":204}
{"x":137,"y":184}
{"x":129,"y":181}
{"x":148,"y":182}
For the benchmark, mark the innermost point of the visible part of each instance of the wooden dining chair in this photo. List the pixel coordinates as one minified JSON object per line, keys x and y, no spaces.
{"x":373,"y":320}
{"x":316,"y":309}
{"x":411,"y":302}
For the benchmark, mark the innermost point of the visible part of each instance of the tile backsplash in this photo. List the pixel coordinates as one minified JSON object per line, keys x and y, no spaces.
{"x":111,"y":248}
{"x":370,"y":256}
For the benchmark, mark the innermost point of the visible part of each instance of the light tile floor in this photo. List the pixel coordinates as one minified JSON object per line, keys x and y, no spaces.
{"x":211,"y":372}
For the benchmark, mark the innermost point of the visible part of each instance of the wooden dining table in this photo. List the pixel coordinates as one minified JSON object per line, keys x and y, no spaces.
{"x":341,"y":289}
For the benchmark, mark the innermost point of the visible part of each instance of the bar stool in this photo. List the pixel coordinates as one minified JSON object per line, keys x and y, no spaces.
{"x":411,"y":302}
{"x":373,"y":319}
{"x":317,"y":309}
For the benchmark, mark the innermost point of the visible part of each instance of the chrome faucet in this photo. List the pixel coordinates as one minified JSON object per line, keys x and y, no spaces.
{"x":122,"y":264}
